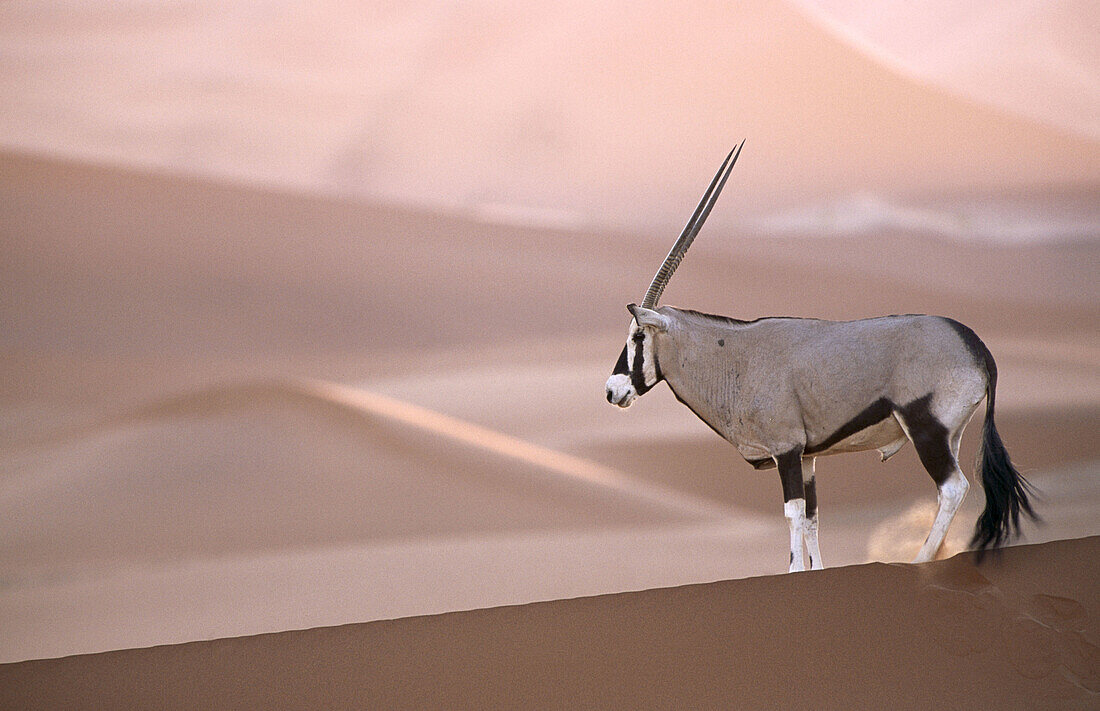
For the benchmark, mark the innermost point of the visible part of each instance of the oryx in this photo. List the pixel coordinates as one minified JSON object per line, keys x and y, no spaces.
{"x":787,"y":390}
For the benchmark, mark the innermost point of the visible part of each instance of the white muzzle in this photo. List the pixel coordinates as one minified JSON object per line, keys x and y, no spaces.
{"x":620,"y":391}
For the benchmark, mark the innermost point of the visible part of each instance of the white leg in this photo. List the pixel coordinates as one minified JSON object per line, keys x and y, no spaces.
{"x":795,"y":511}
{"x":951,"y":494}
{"x":810,"y":529}
{"x":811,"y":544}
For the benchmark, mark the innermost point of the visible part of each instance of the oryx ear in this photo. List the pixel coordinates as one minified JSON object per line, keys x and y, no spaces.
{"x":648,"y":317}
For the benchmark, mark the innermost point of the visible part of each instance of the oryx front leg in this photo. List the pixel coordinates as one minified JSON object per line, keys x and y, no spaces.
{"x":794,"y":504}
{"x":809,"y":487}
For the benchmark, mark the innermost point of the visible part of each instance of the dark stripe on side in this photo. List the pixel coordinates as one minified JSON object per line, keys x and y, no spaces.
{"x":871,"y":415}
{"x":930,"y":437}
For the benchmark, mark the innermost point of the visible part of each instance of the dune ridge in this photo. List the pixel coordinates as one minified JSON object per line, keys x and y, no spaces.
{"x":286,"y":447}
{"x":375,"y":405}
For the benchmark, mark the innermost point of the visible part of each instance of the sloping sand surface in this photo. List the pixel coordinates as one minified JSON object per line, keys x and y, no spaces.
{"x":268,"y":467}
{"x":1018,"y":632}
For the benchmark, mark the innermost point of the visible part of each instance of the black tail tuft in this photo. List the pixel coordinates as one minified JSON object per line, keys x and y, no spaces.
{"x":1006,"y":492}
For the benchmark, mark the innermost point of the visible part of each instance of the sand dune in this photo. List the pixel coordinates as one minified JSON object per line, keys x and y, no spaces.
{"x":572,"y":113}
{"x":1018,"y":632}
{"x":267,"y":467}
{"x":266,"y":506}
{"x":130,"y":259}
{"x":1035,"y":60}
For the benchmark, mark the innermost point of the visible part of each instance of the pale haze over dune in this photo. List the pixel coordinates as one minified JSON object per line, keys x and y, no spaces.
{"x":577,"y":113}
{"x":1035,"y":58}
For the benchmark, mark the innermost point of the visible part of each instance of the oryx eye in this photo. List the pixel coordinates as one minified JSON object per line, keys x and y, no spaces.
{"x":638,"y":336}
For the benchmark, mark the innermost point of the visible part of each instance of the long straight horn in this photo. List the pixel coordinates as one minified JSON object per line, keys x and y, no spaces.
{"x":676,"y":254}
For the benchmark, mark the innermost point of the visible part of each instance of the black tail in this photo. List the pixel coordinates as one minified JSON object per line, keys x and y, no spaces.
{"x":1006,"y":490}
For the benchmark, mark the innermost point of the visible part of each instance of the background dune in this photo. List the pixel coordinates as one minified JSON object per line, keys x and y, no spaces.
{"x":1027,"y":57}
{"x":568,"y":113}
{"x":240,"y":240}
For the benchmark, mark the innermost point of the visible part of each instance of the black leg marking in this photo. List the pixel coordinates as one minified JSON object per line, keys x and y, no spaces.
{"x":930,"y":438}
{"x":790,"y":474}
{"x":810,"y":488}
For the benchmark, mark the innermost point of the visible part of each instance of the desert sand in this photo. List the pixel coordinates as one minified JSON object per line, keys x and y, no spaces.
{"x":305,"y":319}
{"x":1016,"y":633}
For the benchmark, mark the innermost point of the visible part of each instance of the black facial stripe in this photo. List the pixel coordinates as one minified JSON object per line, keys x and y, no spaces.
{"x":621,"y":367}
{"x":637,"y":375}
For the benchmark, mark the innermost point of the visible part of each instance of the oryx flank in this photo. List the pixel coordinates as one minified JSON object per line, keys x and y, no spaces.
{"x":787,"y":390}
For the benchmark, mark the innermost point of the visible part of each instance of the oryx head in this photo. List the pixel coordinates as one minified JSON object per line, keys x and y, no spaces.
{"x":637,"y":369}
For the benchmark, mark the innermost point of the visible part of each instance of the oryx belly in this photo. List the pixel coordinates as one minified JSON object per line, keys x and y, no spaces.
{"x":886,"y":436}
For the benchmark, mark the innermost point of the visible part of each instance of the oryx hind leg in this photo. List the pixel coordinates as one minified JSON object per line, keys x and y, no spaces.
{"x":938,"y":449}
